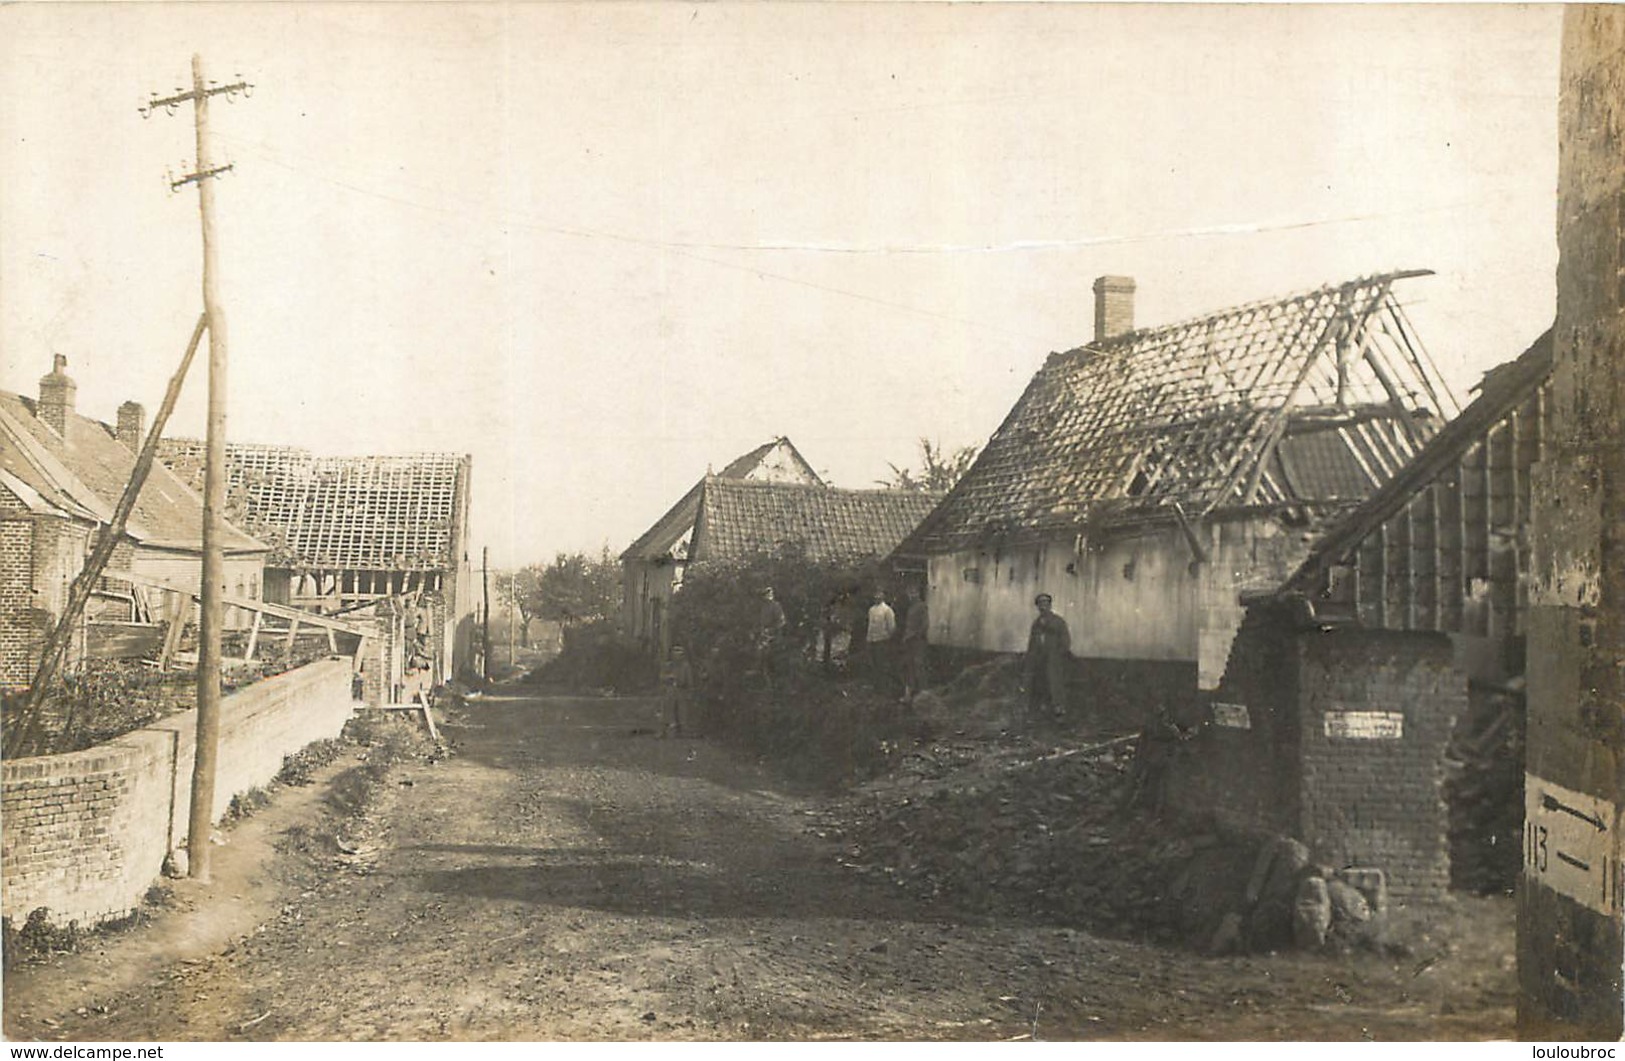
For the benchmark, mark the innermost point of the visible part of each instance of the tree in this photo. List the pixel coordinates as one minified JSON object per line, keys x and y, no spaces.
{"x":938,"y":471}
{"x":577,"y":588}
{"x":523,"y":590}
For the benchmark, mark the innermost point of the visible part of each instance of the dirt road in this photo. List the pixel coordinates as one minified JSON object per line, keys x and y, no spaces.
{"x":569,"y":874}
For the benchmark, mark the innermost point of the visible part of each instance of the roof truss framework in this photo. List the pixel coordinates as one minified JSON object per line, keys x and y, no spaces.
{"x":1445,"y":545}
{"x":1193,"y":413}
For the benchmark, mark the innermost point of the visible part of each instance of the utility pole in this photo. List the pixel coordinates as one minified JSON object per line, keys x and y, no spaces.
{"x":1570,"y":913}
{"x":211,"y":609}
{"x":485,"y":628}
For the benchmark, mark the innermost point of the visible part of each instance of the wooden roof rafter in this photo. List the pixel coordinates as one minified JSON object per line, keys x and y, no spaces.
{"x":1196,"y":413}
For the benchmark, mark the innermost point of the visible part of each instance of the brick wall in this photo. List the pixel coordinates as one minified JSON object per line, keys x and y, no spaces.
{"x":39,"y":557}
{"x":1239,"y":767}
{"x":1342,"y":746}
{"x":375,"y":658}
{"x":18,"y":625}
{"x":86,"y":834}
{"x":1377,"y":708}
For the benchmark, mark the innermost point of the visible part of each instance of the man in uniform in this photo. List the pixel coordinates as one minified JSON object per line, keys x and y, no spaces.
{"x":1049,"y":644}
{"x":916,"y":625}
{"x":882,"y":625}
{"x":769,"y":625}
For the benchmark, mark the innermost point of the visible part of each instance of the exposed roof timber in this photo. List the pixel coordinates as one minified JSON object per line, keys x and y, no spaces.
{"x":1195,"y":412}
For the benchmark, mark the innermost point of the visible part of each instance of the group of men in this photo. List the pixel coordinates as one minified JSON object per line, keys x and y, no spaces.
{"x":881,"y":634}
{"x":1049,"y":645}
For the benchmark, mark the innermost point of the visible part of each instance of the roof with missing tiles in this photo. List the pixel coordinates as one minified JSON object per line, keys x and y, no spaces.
{"x":1317,"y":397}
{"x":394,"y":512}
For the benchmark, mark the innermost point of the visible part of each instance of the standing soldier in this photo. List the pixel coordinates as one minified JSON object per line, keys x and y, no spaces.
{"x":882,"y":625}
{"x":916,"y":624}
{"x":676,"y":683}
{"x":1048,"y":646}
{"x":770,"y":624}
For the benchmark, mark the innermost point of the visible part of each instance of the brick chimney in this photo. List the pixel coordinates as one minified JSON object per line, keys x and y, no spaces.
{"x":1114,"y":307}
{"x":132,"y":421}
{"x":56,"y":393}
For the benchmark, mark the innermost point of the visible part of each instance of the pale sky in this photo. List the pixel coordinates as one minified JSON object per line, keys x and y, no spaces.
{"x":601,"y":247}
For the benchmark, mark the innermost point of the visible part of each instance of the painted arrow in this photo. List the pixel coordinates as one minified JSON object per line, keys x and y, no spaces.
{"x":1548,"y":802}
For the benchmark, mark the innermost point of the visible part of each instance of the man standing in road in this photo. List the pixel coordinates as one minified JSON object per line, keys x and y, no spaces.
{"x":882,"y":625}
{"x":769,"y":626}
{"x":1048,"y":646}
{"x":916,"y":623}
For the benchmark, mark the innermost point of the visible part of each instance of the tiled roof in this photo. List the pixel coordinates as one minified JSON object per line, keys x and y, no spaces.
{"x":386,"y":513}
{"x":739,"y":518}
{"x":774,"y":461}
{"x":1192,"y":413}
{"x":669,"y":529}
{"x":84,"y":473}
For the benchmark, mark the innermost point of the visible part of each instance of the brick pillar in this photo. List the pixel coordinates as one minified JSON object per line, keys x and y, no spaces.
{"x":1570,"y":945}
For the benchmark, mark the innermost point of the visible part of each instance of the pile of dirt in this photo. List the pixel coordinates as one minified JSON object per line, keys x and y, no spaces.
{"x":1011,"y":829}
{"x":982,"y":700}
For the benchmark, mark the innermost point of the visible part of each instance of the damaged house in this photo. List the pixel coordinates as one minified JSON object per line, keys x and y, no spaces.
{"x":652,"y":567}
{"x":61,"y":476}
{"x":385,"y":535}
{"x":1392,"y":659}
{"x":1149,"y":478}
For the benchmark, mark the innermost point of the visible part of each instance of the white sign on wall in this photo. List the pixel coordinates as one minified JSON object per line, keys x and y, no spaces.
{"x":1231,"y":716}
{"x":1365,"y":725}
{"x":1570,"y":844}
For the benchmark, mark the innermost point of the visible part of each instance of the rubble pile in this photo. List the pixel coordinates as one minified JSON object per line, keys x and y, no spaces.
{"x":1009,"y":829}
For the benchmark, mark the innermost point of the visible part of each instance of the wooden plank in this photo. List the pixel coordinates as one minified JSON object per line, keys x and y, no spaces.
{"x":1359,"y":458}
{"x":1436,"y":553}
{"x":1407,"y":571}
{"x":293,"y":633}
{"x":1489,"y":556}
{"x":279,"y":610}
{"x":1382,"y":575}
{"x":179,"y":606}
{"x":253,"y":635}
{"x":428,"y":715}
{"x":121,"y":640}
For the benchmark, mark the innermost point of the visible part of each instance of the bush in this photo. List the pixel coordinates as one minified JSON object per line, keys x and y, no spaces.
{"x":718,"y":615}
{"x":103,"y":699}
{"x":783,"y":701}
{"x":597,"y":656}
